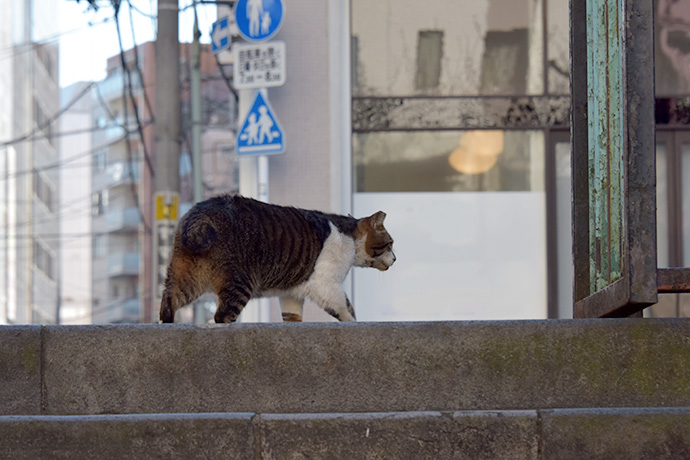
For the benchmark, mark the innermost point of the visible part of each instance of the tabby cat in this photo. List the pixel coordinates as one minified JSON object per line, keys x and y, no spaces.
{"x":241,"y":248}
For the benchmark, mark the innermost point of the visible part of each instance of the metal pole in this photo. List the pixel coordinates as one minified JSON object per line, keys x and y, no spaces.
{"x":196,"y":111}
{"x":199,"y":316}
{"x":263,"y":195}
{"x":167,"y":176}
{"x":262,"y":169}
{"x":167,"y":99}
{"x":262,"y":178}
{"x":264,"y":315}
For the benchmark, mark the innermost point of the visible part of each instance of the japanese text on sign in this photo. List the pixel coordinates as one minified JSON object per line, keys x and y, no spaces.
{"x":259,"y":65}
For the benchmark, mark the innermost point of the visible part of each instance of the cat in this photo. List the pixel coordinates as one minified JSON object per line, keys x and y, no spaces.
{"x":240,"y":249}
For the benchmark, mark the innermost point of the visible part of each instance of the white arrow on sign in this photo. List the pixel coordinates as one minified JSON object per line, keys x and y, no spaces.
{"x":220,"y":35}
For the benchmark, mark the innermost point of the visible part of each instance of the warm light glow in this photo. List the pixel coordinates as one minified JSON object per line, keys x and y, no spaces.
{"x":478,"y":151}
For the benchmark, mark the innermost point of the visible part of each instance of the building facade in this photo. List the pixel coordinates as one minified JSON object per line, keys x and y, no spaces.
{"x":29,"y":190}
{"x":117,"y":210}
{"x":76,"y":126}
{"x":453,"y":117}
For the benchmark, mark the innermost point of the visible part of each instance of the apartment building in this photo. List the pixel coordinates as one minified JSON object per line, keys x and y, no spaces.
{"x":122,"y":173}
{"x":29,"y":215}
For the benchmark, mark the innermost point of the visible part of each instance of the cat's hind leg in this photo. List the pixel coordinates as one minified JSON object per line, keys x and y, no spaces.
{"x":231,"y":301}
{"x":179,"y":291}
{"x":173,"y":299}
{"x":291,"y":308}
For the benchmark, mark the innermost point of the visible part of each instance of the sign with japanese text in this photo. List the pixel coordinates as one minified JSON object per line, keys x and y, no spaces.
{"x":259,"y":65}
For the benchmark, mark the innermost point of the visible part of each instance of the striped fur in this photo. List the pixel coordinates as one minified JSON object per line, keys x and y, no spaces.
{"x":240,"y":249}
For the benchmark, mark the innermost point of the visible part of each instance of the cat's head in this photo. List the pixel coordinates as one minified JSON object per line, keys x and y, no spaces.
{"x":374,"y":245}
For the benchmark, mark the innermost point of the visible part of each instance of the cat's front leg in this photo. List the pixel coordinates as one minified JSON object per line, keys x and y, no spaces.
{"x":334,"y":301}
{"x":291,"y":308}
{"x":350,"y":308}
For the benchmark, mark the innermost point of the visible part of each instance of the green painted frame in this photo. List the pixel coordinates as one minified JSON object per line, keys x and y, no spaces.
{"x":613,"y":157}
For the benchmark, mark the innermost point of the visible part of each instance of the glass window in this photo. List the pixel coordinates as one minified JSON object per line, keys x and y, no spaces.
{"x":43,"y":190}
{"x":558,"y":46}
{"x":672,"y":47}
{"x":662,"y":217}
{"x":99,"y":249}
{"x":441,"y":47}
{"x":448,"y":161}
{"x":461,"y":256}
{"x":673,"y":215}
{"x":564,"y":230}
{"x":429,"y":55}
{"x":467,"y":212}
{"x":99,"y":160}
{"x":99,"y":203}
{"x":43,"y":259}
{"x":685,"y":201}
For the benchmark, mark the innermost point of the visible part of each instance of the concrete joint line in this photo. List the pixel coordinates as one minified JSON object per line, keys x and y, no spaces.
{"x":256,"y":428}
{"x":41,"y":369}
{"x":540,"y":436}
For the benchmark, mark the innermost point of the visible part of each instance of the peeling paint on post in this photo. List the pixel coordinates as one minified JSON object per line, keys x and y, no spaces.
{"x":606,"y":140}
{"x":614,"y":213}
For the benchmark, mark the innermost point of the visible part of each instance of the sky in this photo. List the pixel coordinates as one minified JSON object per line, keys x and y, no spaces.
{"x":88,"y":38}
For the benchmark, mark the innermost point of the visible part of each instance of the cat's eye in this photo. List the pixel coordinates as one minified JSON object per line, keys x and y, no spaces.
{"x":379,"y":250}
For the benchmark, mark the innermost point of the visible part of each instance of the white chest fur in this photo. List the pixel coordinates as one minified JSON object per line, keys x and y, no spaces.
{"x":332,"y":266}
{"x":335,"y":260}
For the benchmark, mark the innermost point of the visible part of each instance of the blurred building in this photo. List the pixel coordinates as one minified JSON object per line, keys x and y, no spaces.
{"x":76,"y":126}
{"x":29,"y":215}
{"x":122,"y":173}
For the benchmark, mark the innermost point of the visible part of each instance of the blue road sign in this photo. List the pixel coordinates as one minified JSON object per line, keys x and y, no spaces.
{"x":261,"y":133}
{"x":259,"y":20}
{"x":220,"y":35}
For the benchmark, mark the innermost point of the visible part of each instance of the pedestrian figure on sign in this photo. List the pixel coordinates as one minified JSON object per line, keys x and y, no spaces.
{"x":265,"y":125}
{"x":255,"y":11}
{"x":252,"y":130}
{"x":265,"y":23}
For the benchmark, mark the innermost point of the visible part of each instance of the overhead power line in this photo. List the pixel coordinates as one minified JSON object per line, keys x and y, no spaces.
{"x":39,"y":128}
{"x":127,"y":88}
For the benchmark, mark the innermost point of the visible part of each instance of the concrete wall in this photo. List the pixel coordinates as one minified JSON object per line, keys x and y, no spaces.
{"x":643,"y":434}
{"x":533,"y":390}
{"x":359,"y":367}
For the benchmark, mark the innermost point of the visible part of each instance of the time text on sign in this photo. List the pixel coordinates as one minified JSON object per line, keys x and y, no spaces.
{"x":259,"y":65}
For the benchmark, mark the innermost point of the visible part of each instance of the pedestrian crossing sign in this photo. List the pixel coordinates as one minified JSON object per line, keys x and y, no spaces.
{"x":260,"y":133}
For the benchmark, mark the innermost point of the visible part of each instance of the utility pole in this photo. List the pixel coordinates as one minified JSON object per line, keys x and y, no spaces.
{"x":196,"y":111}
{"x":167,"y":175}
{"x":196,"y":135}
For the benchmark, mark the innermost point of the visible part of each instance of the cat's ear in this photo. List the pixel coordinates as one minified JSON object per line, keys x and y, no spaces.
{"x":373,"y":222}
{"x":377,"y":219}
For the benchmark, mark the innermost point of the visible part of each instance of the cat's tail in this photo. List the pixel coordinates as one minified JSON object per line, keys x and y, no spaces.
{"x":197,"y":233}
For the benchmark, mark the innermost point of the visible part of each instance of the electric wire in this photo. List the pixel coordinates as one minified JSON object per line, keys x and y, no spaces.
{"x":127,"y":88}
{"x":51,"y":119}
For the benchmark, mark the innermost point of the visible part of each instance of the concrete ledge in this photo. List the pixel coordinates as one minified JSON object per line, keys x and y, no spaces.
{"x":172,"y":436}
{"x":415,"y":435}
{"x":640,"y":434}
{"x":597,"y":434}
{"x":335,"y":368}
{"x":20,"y":370}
